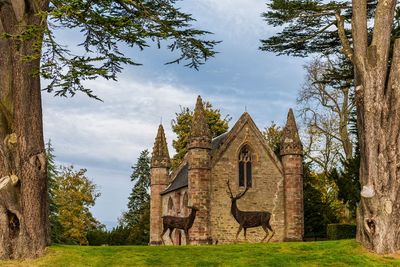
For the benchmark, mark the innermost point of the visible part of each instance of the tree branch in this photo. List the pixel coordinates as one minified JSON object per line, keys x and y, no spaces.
{"x":19,"y":9}
{"x":347,"y":50}
{"x":360,"y":32}
{"x":382,"y":31}
{"x":302,"y":40}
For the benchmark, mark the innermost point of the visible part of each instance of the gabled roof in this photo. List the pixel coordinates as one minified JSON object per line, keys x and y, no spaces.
{"x":180,"y":181}
{"x":243,"y":120}
{"x":218,"y":146}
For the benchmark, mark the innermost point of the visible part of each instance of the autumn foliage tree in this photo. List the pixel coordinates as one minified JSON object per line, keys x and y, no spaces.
{"x":29,"y":50}
{"x":273,"y":134}
{"x":74,"y":195}
{"x":182,"y":124}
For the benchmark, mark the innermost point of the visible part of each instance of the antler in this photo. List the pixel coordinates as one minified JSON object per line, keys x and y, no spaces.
{"x":242,"y":194}
{"x":229,"y":188}
{"x":230,"y":191}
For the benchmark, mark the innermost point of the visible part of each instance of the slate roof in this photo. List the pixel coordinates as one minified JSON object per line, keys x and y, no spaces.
{"x":181,"y":178}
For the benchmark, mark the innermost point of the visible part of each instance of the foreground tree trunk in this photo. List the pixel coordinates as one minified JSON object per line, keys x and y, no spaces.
{"x":23,"y":180}
{"x":378,"y":107}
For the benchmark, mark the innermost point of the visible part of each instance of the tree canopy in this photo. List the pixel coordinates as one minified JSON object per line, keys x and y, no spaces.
{"x":310,"y":26}
{"x":105,"y":27}
{"x":74,"y":195}
{"x":52,"y":173}
{"x":137,"y":217}
{"x":29,"y":50}
{"x":182,"y":124}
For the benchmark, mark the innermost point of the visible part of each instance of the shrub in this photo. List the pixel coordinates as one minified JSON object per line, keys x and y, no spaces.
{"x":341,"y":231}
{"x":97,"y":237}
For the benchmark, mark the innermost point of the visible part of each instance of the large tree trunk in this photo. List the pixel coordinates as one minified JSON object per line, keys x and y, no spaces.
{"x":379,"y":128}
{"x":23,"y":181}
{"x":378,"y":122}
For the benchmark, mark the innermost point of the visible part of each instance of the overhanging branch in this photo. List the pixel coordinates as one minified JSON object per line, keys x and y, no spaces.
{"x":347,"y":50}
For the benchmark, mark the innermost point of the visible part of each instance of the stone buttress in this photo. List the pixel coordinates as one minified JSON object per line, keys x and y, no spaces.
{"x":292,"y":161}
{"x":199,"y":175}
{"x":159,"y":177}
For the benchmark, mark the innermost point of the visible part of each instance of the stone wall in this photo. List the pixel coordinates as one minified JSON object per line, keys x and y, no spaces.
{"x":266,"y":194}
{"x":294,"y":197}
{"x":179,"y":209}
{"x":159,"y":180}
{"x":199,"y":194}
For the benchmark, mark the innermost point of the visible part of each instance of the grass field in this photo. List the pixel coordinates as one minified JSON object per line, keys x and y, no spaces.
{"x":324,"y":253}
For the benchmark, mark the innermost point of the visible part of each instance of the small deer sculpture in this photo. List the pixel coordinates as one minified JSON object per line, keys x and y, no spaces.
{"x":182,"y":223}
{"x":249,"y":219}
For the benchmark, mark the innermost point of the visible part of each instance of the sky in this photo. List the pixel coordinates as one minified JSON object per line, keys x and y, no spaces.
{"x":107,"y":137}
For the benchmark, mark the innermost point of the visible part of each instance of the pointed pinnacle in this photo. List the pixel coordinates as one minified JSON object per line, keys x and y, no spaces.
{"x":160,"y":156}
{"x":291,"y":143}
{"x":200,"y":134}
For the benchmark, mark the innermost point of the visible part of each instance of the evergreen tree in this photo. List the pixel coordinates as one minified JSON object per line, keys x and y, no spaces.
{"x":137,"y":218}
{"x":348,"y":183}
{"x":347,"y":178}
{"x":52,"y":173}
{"x":182,"y":124}
{"x":29,"y":51}
{"x":318,"y":212}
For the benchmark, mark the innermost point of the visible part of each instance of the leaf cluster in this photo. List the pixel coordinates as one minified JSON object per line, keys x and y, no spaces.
{"x":318,"y":210}
{"x":309,"y":26}
{"x":106,"y":26}
{"x":52,"y":173}
{"x":74,"y":195}
{"x":182,"y":124}
{"x":134,"y":228}
{"x":348,"y":183}
{"x":139,"y":199}
{"x":273,"y":134}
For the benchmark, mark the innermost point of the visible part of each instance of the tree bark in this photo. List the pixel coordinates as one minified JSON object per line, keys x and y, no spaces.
{"x":378,"y":217}
{"x":24,"y":231}
{"x":378,"y":108}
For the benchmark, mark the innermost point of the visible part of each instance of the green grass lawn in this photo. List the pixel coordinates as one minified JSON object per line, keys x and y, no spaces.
{"x":324,"y":253}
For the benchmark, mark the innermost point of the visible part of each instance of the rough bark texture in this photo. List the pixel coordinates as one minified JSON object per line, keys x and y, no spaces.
{"x":23,"y":182}
{"x":378,"y":107}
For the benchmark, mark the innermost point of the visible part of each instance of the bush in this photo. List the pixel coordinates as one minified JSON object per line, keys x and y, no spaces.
{"x":341,"y":231}
{"x":97,"y":237}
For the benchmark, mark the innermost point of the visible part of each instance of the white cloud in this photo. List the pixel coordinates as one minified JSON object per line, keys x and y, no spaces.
{"x":237,"y":19}
{"x":107,"y":137}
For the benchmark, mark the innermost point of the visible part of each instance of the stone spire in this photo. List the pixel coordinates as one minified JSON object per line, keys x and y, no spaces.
{"x":159,"y":178}
{"x":160,"y":156}
{"x":291,"y":144}
{"x":292,"y":162}
{"x":200,"y":134}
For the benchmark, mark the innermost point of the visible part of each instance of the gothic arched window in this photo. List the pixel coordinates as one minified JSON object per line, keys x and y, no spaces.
{"x":170,"y":204}
{"x":185,"y":200}
{"x":245,"y":175}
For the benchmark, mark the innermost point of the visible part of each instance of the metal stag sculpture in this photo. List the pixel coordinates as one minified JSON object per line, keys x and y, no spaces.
{"x":249,"y":219}
{"x":182,"y":223}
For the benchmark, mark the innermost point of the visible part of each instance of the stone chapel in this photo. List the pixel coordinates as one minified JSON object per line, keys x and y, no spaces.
{"x":242,"y":157}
